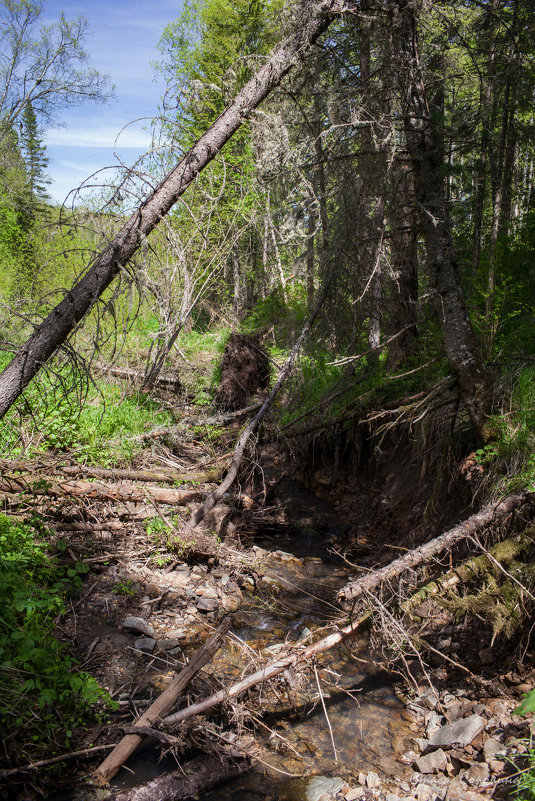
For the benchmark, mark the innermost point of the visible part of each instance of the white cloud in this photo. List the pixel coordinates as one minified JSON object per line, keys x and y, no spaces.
{"x":99,"y":136}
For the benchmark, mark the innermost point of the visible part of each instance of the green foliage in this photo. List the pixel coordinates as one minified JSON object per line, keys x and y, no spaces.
{"x":510,"y":456}
{"x":100,"y":431}
{"x":524,"y":776}
{"x":43,"y":696}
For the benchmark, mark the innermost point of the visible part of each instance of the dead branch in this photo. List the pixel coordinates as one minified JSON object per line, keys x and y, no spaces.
{"x":426,"y":552}
{"x":113,"y":473}
{"x":169,"y":383}
{"x":296,"y":657}
{"x":43,"y":763}
{"x":109,"y":492}
{"x":163,"y":703}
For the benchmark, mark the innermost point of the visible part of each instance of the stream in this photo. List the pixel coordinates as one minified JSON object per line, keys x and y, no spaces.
{"x":295,"y":596}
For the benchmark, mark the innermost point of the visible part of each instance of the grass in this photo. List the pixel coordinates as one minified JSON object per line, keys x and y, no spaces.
{"x":99,"y":429}
{"x":44,"y":697}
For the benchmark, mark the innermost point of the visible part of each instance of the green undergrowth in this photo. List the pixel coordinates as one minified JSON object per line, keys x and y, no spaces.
{"x":200,"y":373}
{"x":523,"y":777}
{"x":98,"y":428}
{"x":44,"y":697}
{"x":509,"y":457}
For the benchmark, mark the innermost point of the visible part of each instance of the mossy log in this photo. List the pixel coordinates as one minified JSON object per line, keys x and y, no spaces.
{"x":503,"y":552}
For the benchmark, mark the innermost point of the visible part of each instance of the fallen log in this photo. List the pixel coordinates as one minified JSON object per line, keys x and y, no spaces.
{"x":113,"y":473}
{"x":93,"y":489}
{"x":170,"y":383}
{"x":189,"y":781}
{"x":424,"y":553}
{"x":163,"y":704}
{"x":298,"y":655}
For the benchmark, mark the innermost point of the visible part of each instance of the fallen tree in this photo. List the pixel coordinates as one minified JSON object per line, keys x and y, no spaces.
{"x":314,"y":19}
{"x":95,"y":490}
{"x":424,"y":553}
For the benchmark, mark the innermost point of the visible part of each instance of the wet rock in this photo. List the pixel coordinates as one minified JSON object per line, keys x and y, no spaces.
{"x":137,"y":625}
{"x":168,"y":643}
{"x":208,"y":604}
{"x":323,"y":788}
{"x":145,"y":644}
{"x":432,"y":763}
{"x":461,"y":732}
{"x":372,"y":780}
{"x":230,"y":603}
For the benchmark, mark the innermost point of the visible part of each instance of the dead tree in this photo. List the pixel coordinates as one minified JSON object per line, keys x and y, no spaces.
{"x":314,"y":19}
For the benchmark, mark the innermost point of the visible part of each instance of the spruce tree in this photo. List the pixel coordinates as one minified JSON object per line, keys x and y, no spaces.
{"x":34,"y":154}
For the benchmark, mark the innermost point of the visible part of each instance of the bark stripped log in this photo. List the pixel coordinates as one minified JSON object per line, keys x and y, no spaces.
{"x":109,"y":492}
{"x":161,"y":706}
{"x":424,"y":553}
{"x":63,"y":319}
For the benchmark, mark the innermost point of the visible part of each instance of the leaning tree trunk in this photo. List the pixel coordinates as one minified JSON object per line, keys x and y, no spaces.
{"x":423,"y":139}
{"x":55,"y":329}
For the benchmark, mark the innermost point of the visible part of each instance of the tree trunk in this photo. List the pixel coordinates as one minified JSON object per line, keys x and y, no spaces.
{"x":423,"y":144}
{"x":64,"y":318}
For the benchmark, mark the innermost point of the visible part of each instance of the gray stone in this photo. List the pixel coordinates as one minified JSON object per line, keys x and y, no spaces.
{"x":372,"y":779}
{"x":168,"y":643}
{"x":323,"y":787}
{"x":208,"y":604}
{"x":432,"y":763}
{"x":492,"y":747}
{"x":433,"y":723}
{"x":179,"y":634}
{"x":428,"y":698}
{"x":462,"y":732}
{"x":136,"y":625}
{"x":477,"y":774}
{"x":145,"y":644}
{"x":354,"y":793}
{"x":230,"y":603}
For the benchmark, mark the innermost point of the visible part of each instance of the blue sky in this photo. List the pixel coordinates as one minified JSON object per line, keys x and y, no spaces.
{"x":122,"y":42}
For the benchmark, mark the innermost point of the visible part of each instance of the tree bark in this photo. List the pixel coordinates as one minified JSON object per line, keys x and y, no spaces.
{"x":160,"y":707}
{"x":63,"y":319}
{"x":423,"y":143}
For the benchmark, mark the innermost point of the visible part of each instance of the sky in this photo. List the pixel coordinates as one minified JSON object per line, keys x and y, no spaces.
{"x":122,"y":42}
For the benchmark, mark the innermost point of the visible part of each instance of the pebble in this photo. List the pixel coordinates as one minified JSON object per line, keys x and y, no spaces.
{"x":433,"y":762}
{"x":145,"y":644}
{"x":167,"y":644}
{"x":372,"y":780}
{"x":462,"y":732}
{"x":137,"y":625}
{"x":354,"y":793}
{"x":208,"y":604}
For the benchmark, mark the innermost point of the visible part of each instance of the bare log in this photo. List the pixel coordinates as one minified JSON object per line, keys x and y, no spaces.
{"x":424,"y":553}
{"x":189,"y":781}
{"x":298,"y":655}
{"x":163,"y":704}
{"x":170,"y":383}
{"x":113,"y":473}
{"x":63,"y":319}
{"x":92,"y":489}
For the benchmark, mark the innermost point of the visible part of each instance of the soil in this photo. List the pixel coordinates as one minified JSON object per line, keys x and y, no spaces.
{"x":244,"y":371}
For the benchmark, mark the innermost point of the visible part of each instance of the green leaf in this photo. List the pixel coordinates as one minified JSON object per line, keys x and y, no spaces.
{"x":527,"y":706}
